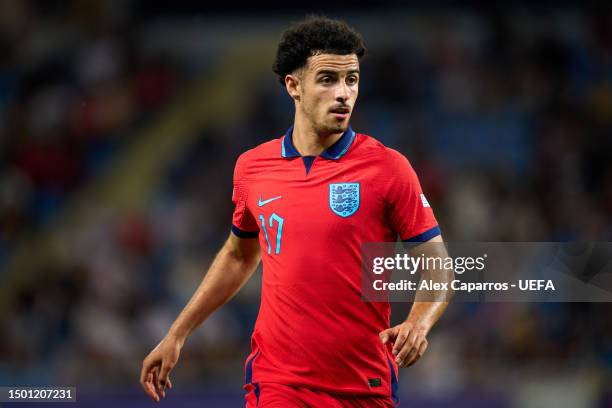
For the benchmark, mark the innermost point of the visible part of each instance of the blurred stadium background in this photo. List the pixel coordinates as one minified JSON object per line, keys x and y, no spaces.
{"x":120,"y":122}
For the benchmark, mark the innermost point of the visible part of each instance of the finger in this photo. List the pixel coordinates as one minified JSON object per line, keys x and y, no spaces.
{"x":409,"y":356}
{"x":150,"y":389}
{"x":388,"y":334}
{"x":420,"y":353}
{"x":384,"y":336}
{"x":413,"y":340}
{"x":146,"y":366}
{"x":169,"y":383}
{"x":163,"y":378}
{"x":155,"y":372}
{"x":404,"y":353}
{"x":400,"y":340}
{"x":163,"y":374}
{"x":147,"y":377}
{"x":409,"y":347}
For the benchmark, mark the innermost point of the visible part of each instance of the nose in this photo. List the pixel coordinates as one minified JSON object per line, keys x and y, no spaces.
{"x":342,"y":92}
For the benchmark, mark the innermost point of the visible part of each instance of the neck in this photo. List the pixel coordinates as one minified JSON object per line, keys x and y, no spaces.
{"x":308,"y":141}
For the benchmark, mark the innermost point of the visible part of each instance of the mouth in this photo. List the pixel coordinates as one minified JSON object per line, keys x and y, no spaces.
{"x":340,"y":112}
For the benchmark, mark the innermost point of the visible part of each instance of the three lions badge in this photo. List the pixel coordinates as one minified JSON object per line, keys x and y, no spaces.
{"x":344,"y":198}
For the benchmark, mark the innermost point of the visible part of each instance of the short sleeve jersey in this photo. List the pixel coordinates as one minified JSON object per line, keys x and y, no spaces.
{"x":311,"y":215}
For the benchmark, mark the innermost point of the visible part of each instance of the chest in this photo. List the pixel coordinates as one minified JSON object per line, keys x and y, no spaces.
{"x":331,"y":200}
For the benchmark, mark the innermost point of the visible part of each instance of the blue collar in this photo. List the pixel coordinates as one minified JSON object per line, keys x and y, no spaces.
{"x":333,"y":152}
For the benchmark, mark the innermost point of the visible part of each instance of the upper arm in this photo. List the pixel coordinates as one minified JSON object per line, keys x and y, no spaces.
{"x":410,"y":214}
{"x":245,"y":249}
{"x":242,"y":243}
{"x":244,"y":224}
{"x":433,"y":247}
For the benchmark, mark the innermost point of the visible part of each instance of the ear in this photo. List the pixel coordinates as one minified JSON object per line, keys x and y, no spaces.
{"x":292,"y":83}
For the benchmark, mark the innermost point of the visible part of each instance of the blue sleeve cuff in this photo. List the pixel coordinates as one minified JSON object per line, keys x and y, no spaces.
{"x":244,"y":234}
{"x":425,"y":236}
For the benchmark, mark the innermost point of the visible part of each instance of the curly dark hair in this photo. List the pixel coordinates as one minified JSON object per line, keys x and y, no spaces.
{"x":312,"y":36}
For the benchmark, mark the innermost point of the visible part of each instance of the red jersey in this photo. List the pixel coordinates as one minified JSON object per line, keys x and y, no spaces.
{"x":311,"y":215}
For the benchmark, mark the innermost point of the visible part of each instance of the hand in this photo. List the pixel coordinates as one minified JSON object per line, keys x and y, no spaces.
{"x":154,"y":376}
{"x":409,"y":342}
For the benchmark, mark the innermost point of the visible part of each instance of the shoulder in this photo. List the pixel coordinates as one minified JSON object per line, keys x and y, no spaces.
{"x":265,"y":151}
{"x":375,"y":151}
{"x":271,"y":148}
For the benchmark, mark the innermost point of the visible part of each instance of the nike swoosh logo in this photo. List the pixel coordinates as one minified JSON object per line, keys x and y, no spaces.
{"x":261,"y":203}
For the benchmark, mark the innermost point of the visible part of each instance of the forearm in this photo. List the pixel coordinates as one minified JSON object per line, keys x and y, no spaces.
{"x":430,"y":304}
{"x":424,"y":315}
{"x":229,"y":271}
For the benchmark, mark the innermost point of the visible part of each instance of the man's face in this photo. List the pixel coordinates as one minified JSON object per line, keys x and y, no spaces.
{"x":327,"y":89}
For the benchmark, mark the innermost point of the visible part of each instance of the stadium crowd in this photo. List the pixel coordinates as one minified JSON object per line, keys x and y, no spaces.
{"x":506,"y":117}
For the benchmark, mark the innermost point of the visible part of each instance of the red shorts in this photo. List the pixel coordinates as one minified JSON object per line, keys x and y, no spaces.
{"x":272,"y":395}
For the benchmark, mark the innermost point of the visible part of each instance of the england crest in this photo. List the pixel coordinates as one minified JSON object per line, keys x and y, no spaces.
{"x":344,"y":198}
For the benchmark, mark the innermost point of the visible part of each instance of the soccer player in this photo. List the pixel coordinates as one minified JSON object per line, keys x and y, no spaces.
{"x":304,"y":204}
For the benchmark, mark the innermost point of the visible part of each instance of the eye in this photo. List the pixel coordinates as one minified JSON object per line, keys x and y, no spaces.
{"x":326,"y":79}
{"x":352,"y":80}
